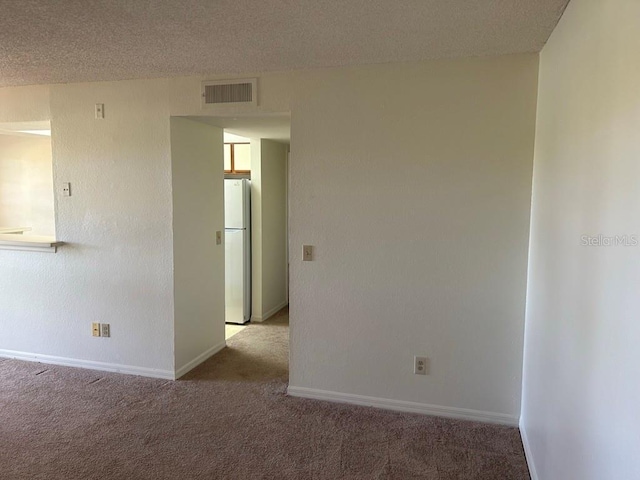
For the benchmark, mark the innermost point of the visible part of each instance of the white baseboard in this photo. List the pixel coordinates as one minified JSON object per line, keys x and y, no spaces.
{"x":528,"y":453}
{"x":199,"y":359}
{"x":88,"y":364}
{"x":403,"y":406}
{"x":270,"y":313}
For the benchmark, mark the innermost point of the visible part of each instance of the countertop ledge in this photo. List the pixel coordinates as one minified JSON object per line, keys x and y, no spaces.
{"x":29,"y":243}
{"x":16,"y":230}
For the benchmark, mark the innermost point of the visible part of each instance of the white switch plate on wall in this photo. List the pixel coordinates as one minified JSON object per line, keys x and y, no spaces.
{"x":307,"y":253}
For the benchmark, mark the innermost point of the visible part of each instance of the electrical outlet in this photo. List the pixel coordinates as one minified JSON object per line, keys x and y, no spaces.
{"x":420,"y":365}
{"x":218,"y":237}
{"x":66,"y":189}
{"x":99,"y":111}
{"x":105,"y":330}
{"x":95,"y":329}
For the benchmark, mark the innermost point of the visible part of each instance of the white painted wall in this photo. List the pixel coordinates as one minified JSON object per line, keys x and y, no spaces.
{"x":274,"y":226}
{"x":269,"y":224}
{"x":25,"y":104}
{"x":581,"y":389}
{"x":198,"y":196}
{"x":117,"y":266}
{"x":256,"y":230}
{"x":26,"y":183}
{"x":413,"y":183}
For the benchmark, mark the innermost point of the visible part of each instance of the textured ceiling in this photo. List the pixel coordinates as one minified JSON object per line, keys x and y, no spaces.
{"x":51,"y":41}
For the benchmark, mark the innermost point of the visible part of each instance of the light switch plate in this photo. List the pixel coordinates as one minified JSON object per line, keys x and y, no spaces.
{"x":307,"y":253}
{"x":99,"y":111}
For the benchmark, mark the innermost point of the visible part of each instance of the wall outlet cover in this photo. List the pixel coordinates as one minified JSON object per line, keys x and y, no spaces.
{"x":420,"y":365}
{"x":105,"y":330}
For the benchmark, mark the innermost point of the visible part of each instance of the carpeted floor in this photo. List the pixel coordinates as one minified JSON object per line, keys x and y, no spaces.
{"x":228,"y":419}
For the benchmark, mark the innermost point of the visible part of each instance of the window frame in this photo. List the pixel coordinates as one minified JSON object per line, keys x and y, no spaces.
{"x":233,"y":170}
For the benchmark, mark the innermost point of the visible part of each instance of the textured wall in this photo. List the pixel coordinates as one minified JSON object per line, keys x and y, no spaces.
{"x":413,"y":183}
{"x":581,"y":390}
{"x":117,"y":266}
{"x":411,"y":180}
{"x":25,"y":104}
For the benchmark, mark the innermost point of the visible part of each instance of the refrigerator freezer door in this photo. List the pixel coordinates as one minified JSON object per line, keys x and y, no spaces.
{"x":235,"y":276}
{"x":234,"y":204}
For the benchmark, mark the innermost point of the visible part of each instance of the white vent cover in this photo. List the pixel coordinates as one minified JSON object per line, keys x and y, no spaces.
{"x":225,"y":92}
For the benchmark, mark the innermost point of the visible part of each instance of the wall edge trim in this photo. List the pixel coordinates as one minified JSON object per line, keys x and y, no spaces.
{"x":210,"y":352}
{"x":404,"y":406}
{"x":270,"y":313}
{"x":87,"y":364}
{"x":528,"y":453}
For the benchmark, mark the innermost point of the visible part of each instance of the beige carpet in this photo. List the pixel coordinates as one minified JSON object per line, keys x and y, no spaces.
{"x":228,"y":419}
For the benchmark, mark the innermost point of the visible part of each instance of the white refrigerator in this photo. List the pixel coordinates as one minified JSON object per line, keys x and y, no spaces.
{"x":237,"y":233}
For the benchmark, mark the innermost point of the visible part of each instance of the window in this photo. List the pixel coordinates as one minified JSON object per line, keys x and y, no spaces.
{"x":27,"y":218}
{"x":237,"y":158}
{"x":26,"y":179}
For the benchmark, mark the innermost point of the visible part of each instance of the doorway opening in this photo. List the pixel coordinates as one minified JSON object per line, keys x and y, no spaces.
{"x":256,"y":156}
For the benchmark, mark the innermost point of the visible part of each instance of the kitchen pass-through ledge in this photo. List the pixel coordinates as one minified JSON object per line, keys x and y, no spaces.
{"x":29,"y":243}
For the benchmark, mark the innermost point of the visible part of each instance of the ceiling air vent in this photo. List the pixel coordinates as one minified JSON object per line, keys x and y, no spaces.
{"x":230,"y":92}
